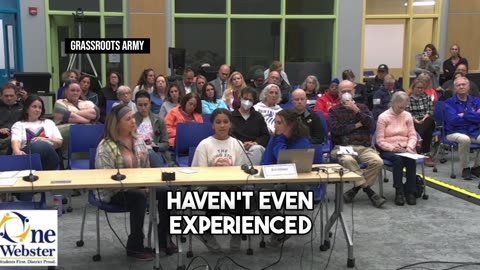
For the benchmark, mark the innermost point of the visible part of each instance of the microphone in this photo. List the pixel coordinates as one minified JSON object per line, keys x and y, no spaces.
{"x":31,"y":177}
{"x":248,"y":170}
{"x":118,"y":176}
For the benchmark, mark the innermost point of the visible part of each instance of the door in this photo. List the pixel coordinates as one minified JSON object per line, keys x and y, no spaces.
{"x":9,"y":47}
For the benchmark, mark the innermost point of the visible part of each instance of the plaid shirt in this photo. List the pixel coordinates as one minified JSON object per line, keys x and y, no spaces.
{"x":420,"y":106}
{"x":342,"y":125}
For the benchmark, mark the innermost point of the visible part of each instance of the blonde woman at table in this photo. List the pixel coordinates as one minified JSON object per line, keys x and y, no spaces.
{"x":221,"y":149}
{"x":121,"y":148}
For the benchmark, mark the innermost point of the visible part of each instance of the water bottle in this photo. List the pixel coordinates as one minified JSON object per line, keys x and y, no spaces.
{"x":58,"y":204}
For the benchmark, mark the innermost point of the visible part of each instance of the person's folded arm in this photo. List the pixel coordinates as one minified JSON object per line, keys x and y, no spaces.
{"x":337,"y":126}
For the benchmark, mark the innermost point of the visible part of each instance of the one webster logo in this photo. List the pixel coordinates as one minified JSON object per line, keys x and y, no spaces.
{"x":28,"y":237}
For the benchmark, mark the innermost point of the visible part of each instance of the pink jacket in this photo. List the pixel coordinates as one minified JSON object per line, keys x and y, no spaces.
{"x":395,"y":130}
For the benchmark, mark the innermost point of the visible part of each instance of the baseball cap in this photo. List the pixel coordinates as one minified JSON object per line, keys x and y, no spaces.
{"x":382,"y":67}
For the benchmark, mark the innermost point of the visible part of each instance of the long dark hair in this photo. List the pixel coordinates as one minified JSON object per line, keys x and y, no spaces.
{"x":119,"y":78}
{"x":219,"y":111}
{"x":204,"y":93}
{"x":434,"y":50}
{"x":186,"y":98}
{"x":180,"y":92}
{"x":26,"y":105}
{"x":142,"y":81}
{"x":299,"y":129}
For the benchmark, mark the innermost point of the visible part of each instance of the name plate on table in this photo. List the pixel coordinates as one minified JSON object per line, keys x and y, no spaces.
{"x":280,"y":170}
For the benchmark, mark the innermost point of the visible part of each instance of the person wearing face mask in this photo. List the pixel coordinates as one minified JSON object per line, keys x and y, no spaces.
{"x":249,"y":126}
{"x":350,"y":126}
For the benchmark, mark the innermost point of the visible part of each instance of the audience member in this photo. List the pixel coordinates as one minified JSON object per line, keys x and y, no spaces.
{"x":350,"y":125}
{"x":329,"y":99}
{"x":190,"y":110}
{"x":72,"y":109}
{"x":396,"y":134}
{"x":235,"y":84}
{"x":421,"y":109}
{"x":209,"y":99}
{"x":361,"y":95}
{"x":200,"y":81}
{"x":429,"y":62}
{"x":249,"y":126}
{"x":381,"y":98}
{"x":311,"y":87}
{"x":173,"y":99}
{"x":146,"y":81}
{"x":462,"y":119}
{"x":109,"y":92}
{"x":159,"y":93}
{"x":276,"y":66}
{"x":309,"y":118}
{"x":450,"y":65}
{"x":268,"y":106}
{"x":37,"y":135}
{"x":221,"y":150}
{"x":124,"y":95}
{"x":220,"y":82}
{"x":151,"y":128}
{"x":429,"y":91}
{"x":69,"y":75}
{"x":21,"y":93}
{"x":10,"y":112}
{"x":447,"y":87}
{"x":186,"y":84}
{"x":257,"y":82}
{"x":119,"y":148}
{"x":285,"y":88}
{"x":377,"y":83}
{"x":87,"y":93}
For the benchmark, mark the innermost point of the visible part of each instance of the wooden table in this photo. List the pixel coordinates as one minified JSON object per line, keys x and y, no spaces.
{"x":203,"y":176}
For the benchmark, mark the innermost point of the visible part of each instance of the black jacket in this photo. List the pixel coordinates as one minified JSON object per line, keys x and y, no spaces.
{"x":253,"y":129}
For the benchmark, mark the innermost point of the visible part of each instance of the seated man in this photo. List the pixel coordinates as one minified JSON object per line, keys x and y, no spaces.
{"x":10,"y":112}
{"x":350,"y":126}
{"x":275,"y":78}
{"x":329,"y":99}
{"x":249,"y":126}
{"x":309,"y":118}
{"x":462,"y":124}
{"x":377,"y":83}
{"x":448,"y":87}
{"x":381,"y":98}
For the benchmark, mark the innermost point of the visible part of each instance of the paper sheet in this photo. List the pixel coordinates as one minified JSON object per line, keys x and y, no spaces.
{"x":410,"y":155}
{"x":8,"y":181}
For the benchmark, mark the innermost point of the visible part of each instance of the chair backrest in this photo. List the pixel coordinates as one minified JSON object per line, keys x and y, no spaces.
{"x":110,"y":105}
{"x":206,"y":118}
{"x":84,"y":137}
{"x":190,"y":135}
{"x":19,"y":163}
{"x":92,"y":152}
{"x":439,"y":112}
{"x":191,"y":153}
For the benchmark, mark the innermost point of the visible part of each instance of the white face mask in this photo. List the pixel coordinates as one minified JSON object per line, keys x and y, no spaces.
{"x":246,"y":104}
{"x":346,"y":97}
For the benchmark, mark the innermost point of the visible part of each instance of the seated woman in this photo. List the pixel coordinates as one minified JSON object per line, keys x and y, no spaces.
{"x":37,"y":133}
{"x":73,"y":110}
{"x":429,"y":91}
{"x":152,"y":130}
{"x":200,"y":82}
{"x":172,"y":100}
{"x":69,"y":75}
{"x":87,"y":93}
{"x":268,"y":106}
{"x":311,"y":87}
{"x":235,"y":84}
{"x":124,"y":94}
{"x":120,"y":148}
{"x":421,"y":109}
{"x":109,"y":92}
{"x":209,"y":99}
{"x":289,"y":134}
{"x":146,"y":81}
{"x":188,"y":111}
{"x":220,"y":149}
{"x":396,"y":134}
{"x":159,"y":93}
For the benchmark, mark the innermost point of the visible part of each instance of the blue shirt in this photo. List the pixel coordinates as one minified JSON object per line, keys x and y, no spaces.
{"x":469,"y":124}
{"x":156,"y":102}
{"x":208,"y":107}
{"x":280,"y":142}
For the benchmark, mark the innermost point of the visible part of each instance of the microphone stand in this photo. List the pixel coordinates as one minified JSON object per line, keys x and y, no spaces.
{"x":245,"y":168}
{"x":31,"y":177}
{"x":118,"y":176}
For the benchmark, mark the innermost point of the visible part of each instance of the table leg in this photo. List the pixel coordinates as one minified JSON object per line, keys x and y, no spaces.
{"x":154,"y":221}
{"x":338,"y":217}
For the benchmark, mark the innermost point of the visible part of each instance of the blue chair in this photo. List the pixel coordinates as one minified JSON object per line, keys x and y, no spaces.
{"x":206,"y":117}
{"x":110,"y":105}
{"x":191,"y":153}
{"x":327,"y":145}
{"x":189,"y":135}
{"x":444,"y":142}
{"x":19,"y":163}
{"x":82,"y":138}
